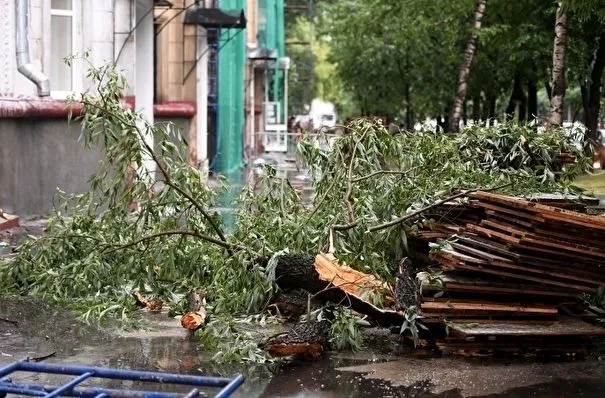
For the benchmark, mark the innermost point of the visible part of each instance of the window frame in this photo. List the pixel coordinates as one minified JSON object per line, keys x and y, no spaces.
{"x":76,"y":45}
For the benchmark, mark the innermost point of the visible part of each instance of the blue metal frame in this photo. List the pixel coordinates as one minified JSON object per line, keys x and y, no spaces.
{"x":228,"y":386}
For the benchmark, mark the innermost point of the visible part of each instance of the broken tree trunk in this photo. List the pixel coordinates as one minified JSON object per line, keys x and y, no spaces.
{"x":326,"y":280}
{"x":196,"y":317}
{"x":304,"y":339}
{"x":289,"y":304}
{"x":407,"y":289}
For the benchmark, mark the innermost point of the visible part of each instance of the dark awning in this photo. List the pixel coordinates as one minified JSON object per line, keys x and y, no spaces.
{"x":216,"y":18}
{"x":262,"y":54}
{"x":162,"y":3}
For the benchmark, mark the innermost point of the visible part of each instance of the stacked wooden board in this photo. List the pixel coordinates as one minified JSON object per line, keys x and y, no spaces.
{"x":511,"y":271}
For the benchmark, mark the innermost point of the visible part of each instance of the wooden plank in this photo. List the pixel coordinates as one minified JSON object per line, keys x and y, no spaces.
{"x":549,"y":253}
{"x":506,"y":210}
{"x":492,"y":234}
{"x":566,"y":326}
{"x":561,"y":275}
{"x":487,"y":245}
{"x":546,"y":212}
{"x":475,"y":252}
{"x":509,"y":229}
{"x":512,"y":220}
{"x":525,"y":277}
{"x":575,"y":248}
{"x":564,"y":266}
{"x":462,"y":306}
{"x":570,"y":235}
{"x":502,"y":290}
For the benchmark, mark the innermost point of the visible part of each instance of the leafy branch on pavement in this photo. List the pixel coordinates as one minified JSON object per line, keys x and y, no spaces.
{"x":98,"y":251}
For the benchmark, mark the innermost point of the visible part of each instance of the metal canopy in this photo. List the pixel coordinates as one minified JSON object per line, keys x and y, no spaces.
{"x":215,"y":18}
{"x":262,"y":54}
{"x":162,"y":3}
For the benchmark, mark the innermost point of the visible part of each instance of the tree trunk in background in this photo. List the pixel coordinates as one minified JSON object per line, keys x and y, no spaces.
{"x":465,"y":69}
{"x":492,"y":108}
{"x":517,"y":97}
{"x":408,"y":107}
{"x":532,"y":95}
{"x":591,"y":91}
{"x":476,"y":114}
{"x":557,"y":99}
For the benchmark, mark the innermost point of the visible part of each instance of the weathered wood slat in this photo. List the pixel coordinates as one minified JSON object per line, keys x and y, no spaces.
{"x":461,"y":306}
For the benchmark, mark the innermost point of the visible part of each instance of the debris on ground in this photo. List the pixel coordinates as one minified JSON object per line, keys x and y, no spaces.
{"x":151,"y":305}
{"x":196,"y":315}
{"x":308,"y":339}
{"x":328,"y":281}
{"x":8,"y":221}
{"x":511,"y":274}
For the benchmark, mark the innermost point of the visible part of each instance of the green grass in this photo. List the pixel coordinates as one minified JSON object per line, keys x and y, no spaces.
{"x":592,"y":183}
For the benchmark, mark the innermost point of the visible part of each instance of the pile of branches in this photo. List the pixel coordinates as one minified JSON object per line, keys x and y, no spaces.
{"x":370,"y":188}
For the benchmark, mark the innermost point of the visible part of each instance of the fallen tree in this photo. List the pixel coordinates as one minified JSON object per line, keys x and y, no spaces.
{"x":325,"y":280}
{"x":370,"y":190}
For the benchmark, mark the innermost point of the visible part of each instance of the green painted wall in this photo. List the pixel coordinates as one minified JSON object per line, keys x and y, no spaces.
{"x":231,"y":83}
{"x":231,"y":64}
{"x":272,"y":35}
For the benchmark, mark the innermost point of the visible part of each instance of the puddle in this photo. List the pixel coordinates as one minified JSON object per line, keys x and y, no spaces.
{"x":44,"y":328}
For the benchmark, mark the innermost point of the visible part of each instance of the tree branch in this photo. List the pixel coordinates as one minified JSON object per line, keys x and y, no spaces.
{"x":191,"y":199}
{"x":374,"y":174}
{"x":195,"y":234}
{"x":167,"y":179}
{"x":429,"y":207}
{"x":347,"y":199}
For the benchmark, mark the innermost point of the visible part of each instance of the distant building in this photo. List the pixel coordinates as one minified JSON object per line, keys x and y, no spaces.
{"x":209,"y":66}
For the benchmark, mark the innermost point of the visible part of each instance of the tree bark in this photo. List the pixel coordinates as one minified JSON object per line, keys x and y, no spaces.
{"x":465,"y":69}
{"x":532,"y":94}
{"x":196,"y":316}
{"x":591,"y":90}
{"x":557,"y":100}
{"x":517,"y":97}
{"x":328,"y":281}
{"x":476,"y":114}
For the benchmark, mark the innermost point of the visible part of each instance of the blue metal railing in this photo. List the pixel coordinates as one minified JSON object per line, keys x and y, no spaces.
{"x":228,"y":386}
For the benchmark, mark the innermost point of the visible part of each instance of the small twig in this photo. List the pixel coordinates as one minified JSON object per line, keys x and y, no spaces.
{"x":400,"y":172}
{"x":347,"y":199}
{"x":195,"y":234}
{"x":429,"y":207}
{"x":9,"y":321}
{"x":41,"y":358}
{"x":316,"y":208}
{"x":281,"y":201}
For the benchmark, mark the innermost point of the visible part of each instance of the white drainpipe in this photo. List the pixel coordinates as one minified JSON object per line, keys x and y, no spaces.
{"x":24,"y":65}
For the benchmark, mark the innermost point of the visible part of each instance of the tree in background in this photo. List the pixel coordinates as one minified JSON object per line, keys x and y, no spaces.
{"x":402,"y":59}
{"x":559,"y":69}
{"x":465,"y":69}
{"x":587,"y":56}
{"x":312,"y":74}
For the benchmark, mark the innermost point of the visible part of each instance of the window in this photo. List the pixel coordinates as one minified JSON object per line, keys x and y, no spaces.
{"x":63,"y":42}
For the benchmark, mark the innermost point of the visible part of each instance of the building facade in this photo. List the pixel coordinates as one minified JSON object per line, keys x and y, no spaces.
{"x":185,"y":61}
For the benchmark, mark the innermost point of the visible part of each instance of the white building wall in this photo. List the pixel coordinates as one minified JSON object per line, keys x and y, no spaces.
{"x":96,"y":24}
{"x":7,"y":48}
{"x":124,"y":21}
